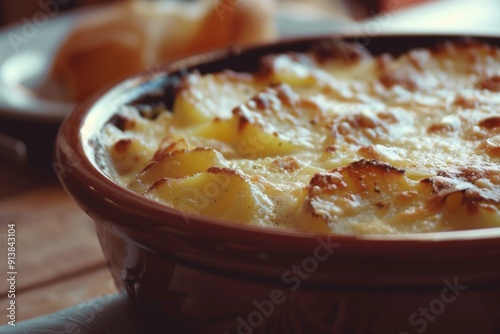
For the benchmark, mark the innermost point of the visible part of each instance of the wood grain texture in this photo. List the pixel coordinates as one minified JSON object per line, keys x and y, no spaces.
{"x":59,"y":260}
{"x":55,"y":239}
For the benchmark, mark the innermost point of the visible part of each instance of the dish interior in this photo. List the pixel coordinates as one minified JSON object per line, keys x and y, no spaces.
{"x":157,"y":90}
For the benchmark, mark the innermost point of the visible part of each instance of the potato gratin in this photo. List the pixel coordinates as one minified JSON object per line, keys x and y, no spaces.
{"x":334,"y":140}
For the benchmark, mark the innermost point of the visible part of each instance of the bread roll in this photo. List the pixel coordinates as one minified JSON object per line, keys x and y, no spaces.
{"x":119,"y":40}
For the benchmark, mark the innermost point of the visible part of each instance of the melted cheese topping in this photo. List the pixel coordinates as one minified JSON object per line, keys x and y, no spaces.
{"x":327,"y":142}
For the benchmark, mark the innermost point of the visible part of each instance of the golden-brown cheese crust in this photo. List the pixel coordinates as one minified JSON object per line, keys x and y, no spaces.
{"x":334,"y":140}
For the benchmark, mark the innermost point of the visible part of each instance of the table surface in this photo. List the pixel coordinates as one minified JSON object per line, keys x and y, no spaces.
{"x":59,"y":260}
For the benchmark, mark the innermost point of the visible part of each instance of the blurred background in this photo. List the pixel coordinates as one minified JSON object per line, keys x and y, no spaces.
{"x":11,"y":11}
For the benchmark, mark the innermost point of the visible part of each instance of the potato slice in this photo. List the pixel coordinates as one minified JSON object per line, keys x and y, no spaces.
{"x":129,"y":155}
{"x":469,"y":197}
{"x":175,"y":165}
{"x":219,"y":192}
{"x":283,"y":180}
{"x":374,"y":197}
{"x":205,"y":98}
{"x":131,"y":140}
{"x":366,"y":197}
{"x":275,"y":122}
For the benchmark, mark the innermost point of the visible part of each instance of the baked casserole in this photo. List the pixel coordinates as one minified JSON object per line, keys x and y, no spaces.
{"x":333,"y":140}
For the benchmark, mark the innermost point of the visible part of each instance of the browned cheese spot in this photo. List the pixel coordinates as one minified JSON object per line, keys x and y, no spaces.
{"x":287,"y":164}
{"x":465,"y":103}
{"x":122,"y":145}
{"x":440,"y":128}
{"x":123,"y":122}
{"x":490,"y":122}
{"x":468,"y":181}
{"x":400,"y":78}
{"x":491,"y":83}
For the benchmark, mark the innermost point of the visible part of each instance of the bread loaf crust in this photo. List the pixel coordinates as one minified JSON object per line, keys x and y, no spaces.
{"x":118,"y":40}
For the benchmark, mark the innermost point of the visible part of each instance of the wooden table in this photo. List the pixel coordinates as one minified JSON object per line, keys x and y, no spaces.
{"x":59,"y":261}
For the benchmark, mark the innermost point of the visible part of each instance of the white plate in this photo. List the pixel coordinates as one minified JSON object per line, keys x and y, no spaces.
{"x":26,"y":53}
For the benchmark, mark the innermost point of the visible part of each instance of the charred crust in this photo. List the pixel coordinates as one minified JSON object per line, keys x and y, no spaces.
{"x":440,"y":184}
{"x":178,"y":145}
{"x":224,"y":171}
{"x":158,"y":184}
{"x":151,"y":110}
{"x":118,"y":121}
{"x":440,"y":128}
{"x":465,"y":103}
{"x":491,"y":83}
{"x":467,"y":174}
{"x":375,"y":164}
{"x":307,"y":103}
{"x":122,"y":122}
{"x":266,"y":68}
{"x":122,"y":145}
{"x":242,"y":123}
{"x":328,"y":180}
{"x":490,"y":122}
{"x":162,"y":90}
{"x":403,"y":79}
{"x":387,"y":117}
{"x":464,"y":180}
{"x":243,"y":120}
{"x":265,"y":100}
{"x":339,"y":50}
{"x":364,"y":122}
{"x":358,"y":170}
{"x":426,"y":181}
{"x":150,"y":165}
